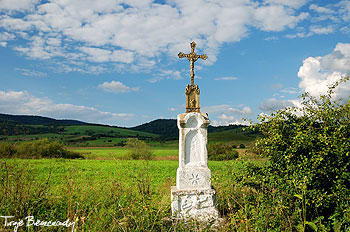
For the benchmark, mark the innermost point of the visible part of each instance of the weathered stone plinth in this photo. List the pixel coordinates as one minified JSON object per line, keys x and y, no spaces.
{"x":199,"y":204}
{"x":193,"y":196}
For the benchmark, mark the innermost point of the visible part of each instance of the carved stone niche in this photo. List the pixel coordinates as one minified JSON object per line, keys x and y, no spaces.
{"x":193,"y":171}
{"x":193,"y":196}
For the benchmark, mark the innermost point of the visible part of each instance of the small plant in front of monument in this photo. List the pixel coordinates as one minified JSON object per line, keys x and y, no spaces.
{"x":222,"y":151}
{"x":138,"y":150}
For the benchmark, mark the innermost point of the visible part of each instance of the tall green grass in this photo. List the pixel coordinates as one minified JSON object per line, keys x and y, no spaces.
{"x":124,"y":195}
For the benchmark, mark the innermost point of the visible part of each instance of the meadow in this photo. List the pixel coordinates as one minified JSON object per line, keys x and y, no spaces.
{"x":103,"y":193}
{"x":108,"y":153}
{"x":106,"y":192}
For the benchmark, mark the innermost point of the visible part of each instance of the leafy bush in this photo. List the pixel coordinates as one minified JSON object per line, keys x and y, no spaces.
{"x":222,"y":151}
{"x":241,"y":145}
{"x":138,"y":150}
{"x":42,"y":148}
{"x":7,"y":149}
{"x":309,"y":148}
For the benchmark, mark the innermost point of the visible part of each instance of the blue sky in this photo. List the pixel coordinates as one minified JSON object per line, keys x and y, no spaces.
{"x":115,"y":61}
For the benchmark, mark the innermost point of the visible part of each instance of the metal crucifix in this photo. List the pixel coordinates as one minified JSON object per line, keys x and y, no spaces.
{"x":192,"y":91}
{"x":192,"y":57}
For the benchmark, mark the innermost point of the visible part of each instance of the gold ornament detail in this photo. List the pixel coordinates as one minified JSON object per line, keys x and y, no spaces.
{"x":192,"y":91}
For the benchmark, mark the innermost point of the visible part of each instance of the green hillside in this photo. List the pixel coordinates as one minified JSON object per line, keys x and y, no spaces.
{"x":163,"y":132}
{"x":235,"y":136}
{"x":164,"y":127}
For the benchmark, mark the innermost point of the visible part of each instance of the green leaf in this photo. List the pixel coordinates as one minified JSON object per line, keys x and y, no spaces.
{"x":299,"y":196}
{"x":299,"y":228}
{"x":312,"y":225}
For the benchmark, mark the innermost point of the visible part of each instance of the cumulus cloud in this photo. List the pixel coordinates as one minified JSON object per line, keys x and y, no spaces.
{"x":138,"y":33}
{"x":116,"y":87}
{"x":17,"y":5}
{"x":317,"y":73}
{"x":23,"y":103}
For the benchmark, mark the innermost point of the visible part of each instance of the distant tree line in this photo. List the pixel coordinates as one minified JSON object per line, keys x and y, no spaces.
{"x":9,"y":128}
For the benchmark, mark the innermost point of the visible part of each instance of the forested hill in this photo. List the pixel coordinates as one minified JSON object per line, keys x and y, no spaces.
{"x":28,"y":124}
{"x":168,"y":128}
{"x":163,"y":127}
{"x":36,"y":120}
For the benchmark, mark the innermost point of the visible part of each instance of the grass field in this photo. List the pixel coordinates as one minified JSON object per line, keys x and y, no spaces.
{"x":105,"y":193}
{"x":86,"y":129}
{"x":231,"y":136}
{"x":99,"y":195}
{"x":121,"y":153}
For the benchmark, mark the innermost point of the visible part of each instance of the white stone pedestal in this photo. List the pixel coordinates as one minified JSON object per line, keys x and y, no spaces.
{"x":193,"y":196}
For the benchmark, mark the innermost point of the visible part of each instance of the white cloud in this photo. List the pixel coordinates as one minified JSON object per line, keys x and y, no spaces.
{"x":271,"y":38}
{"x":225,"y":120}
{"x":317,"y":73}
{"x":344,"y":9}
{"x":172,"y":109}
{"x":273,"y":104}
{"x":104,"y":55}
{"x":215,"y":108}
{"x":17,"y":5}
{"x":138,"y":33}
{"x":321,"y":9}
{"x":244,"y":110}
{"x":116,"y":87}
{"x":290,"y":90}
{"x":226,"y":78}
{"x":31,"y":73}
{"x":166,"y":74}
{"x":276,"y":18}
{"x":322,"y":30}
{"x":290,"y":3}
{"x":22,"y":102}
{"x":5,"y":36}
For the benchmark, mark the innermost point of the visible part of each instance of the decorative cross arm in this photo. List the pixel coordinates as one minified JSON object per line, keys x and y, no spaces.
{"x":192,"y":57}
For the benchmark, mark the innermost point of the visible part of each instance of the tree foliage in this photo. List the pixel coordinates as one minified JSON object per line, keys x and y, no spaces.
{"x":309,"y":147}
{"x":42,"y":148}
{"x":222,"y":151}
{"x":139,"y":149}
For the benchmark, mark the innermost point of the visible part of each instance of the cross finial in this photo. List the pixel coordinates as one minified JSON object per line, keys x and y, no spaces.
{"x":192,"y":57}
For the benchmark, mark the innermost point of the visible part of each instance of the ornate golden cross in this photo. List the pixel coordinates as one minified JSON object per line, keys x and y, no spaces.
{"x":192,"y":57}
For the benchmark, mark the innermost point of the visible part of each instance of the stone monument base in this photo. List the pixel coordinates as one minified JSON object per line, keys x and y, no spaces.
{"x":197,"y":204}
